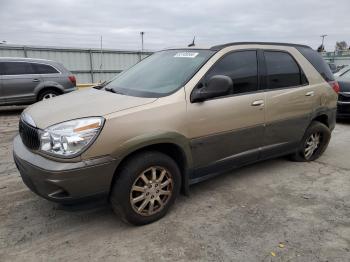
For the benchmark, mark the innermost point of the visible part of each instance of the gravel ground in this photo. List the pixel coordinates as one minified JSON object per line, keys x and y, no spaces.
{"x":241,"y":216}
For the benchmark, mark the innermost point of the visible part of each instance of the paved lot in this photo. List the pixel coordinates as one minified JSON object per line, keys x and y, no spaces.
{"x":241,"y":216}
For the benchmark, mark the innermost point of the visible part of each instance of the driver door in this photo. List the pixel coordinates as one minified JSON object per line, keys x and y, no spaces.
{"x":228,"y":131}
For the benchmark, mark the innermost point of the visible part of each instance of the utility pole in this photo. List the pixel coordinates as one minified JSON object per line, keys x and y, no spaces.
{"x":323,"y":36}
{"x":101,"y":57}
{"x":142,"y":33}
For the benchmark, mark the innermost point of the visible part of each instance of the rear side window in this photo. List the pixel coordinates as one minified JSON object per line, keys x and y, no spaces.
{"x":282,"y":70}
{"x":317,"y":61}
{"x":242,"y":67}
{"x":17,"y":68}
{"x":44,"y":69}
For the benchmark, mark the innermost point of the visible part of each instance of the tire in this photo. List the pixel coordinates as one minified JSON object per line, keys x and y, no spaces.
{"x":130,"y":178}
{"x":302,"y":154}
{"x":46,"y":94}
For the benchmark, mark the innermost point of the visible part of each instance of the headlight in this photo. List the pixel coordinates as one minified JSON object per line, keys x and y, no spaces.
{"x":70,"y":138}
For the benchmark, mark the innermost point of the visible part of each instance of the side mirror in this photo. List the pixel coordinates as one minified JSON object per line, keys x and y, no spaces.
{"x":218,"y":85}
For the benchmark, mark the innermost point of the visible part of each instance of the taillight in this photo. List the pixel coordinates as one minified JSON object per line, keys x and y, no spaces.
{"x":335,"y":86}
{"x":73,"y":80}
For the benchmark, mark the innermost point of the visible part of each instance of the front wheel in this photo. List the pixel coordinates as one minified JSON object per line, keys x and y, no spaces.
{"x":146,"y":187}
{"x":314,"y":142}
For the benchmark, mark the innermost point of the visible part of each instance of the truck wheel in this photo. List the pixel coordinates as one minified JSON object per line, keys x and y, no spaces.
{"x":146,"y":186}
{"x":314,"y":143}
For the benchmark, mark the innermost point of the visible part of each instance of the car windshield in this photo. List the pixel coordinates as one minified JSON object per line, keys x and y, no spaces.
{"x":160,"y":74}
{"x":345,"y":75}
{"x":342,"y":71}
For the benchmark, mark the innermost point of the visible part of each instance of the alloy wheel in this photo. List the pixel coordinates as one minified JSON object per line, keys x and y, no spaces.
{"x":48,"y":96}
{"x":312,"y":144}
{"x":151,"y":191}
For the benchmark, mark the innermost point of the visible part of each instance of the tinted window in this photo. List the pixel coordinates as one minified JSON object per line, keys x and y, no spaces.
{"x":2,"y":69}
{"x":282,"y":70}
{"x":242,"y":67}
{"x":317,"y":61}
{"x":44,"y":69}
{"x":17,"y":68}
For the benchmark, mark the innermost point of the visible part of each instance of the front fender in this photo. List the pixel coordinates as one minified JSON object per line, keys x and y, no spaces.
{"x":146,"y":140}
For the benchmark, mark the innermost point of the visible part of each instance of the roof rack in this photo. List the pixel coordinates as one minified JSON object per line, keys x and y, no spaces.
{"x":219,"y":47}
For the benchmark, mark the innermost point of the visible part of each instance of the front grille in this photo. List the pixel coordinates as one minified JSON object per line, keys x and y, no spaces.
{"x":344,"y":97}
{"x":29,"y":135}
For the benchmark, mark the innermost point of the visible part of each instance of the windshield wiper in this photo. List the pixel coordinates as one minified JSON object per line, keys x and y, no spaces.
{"x":111,"y":89}
{"x":101,"y":85}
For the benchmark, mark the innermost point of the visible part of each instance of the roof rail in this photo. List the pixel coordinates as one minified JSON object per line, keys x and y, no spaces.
{"x":219,"y":47}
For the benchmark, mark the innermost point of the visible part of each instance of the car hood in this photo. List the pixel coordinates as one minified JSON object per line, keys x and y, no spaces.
{"x":78,"y":104}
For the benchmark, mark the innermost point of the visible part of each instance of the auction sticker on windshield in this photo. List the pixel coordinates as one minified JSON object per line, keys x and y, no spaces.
{"x":186,"y":54}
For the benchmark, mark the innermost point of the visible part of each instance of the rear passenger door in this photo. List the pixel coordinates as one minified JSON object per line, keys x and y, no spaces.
{"x":19,"y":81}
{"x":289,"y":103}
{"x":228,"y":131}
{"x":49,"y":75}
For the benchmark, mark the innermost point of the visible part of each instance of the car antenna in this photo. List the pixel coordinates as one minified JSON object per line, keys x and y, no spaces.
{"x":192,"y":44}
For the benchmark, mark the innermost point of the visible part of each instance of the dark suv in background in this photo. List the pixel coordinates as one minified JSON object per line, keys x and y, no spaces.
{"x":27,"y":80}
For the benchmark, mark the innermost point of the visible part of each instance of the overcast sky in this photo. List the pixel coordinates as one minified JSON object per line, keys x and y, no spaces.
{"x":79,"y":23}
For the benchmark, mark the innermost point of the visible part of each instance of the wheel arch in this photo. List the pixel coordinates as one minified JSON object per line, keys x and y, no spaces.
{"x":177,"y":148}
{"x":323,"y":118}
{"x":46,"y":88}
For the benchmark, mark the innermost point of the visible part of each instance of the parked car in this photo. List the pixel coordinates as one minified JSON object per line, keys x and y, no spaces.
{"x":343,"y":108}
{"x":176,"y":118}
{"x":28,"y":80}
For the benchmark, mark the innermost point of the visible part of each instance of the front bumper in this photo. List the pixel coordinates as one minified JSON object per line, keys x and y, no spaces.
{"x":64,"y":182}
{"x":343,"y":109}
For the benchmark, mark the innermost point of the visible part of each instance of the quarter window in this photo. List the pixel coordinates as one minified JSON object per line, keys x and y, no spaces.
{"x":282,"y":70}
{"x":44,"y":69}
{"x":242,"y":67}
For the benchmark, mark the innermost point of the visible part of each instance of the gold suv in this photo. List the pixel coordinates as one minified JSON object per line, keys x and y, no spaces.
{"x":176,"y":118}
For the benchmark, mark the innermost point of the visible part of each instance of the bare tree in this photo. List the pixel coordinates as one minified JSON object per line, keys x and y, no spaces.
{"x":341,"y":45}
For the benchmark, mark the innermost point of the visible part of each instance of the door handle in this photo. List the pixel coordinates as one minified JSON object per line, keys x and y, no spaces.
{"x":311,"y":93}
{"x":36,"y":80}
{"x":258,"y":103}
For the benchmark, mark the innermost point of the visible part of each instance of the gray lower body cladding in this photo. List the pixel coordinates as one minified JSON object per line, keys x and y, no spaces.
{"x":64,"y":182}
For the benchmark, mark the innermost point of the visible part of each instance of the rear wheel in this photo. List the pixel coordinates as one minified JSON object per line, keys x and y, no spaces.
{"x":314,"y":142}
{"x":47,"y":94}
{"x":147,"y":186}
